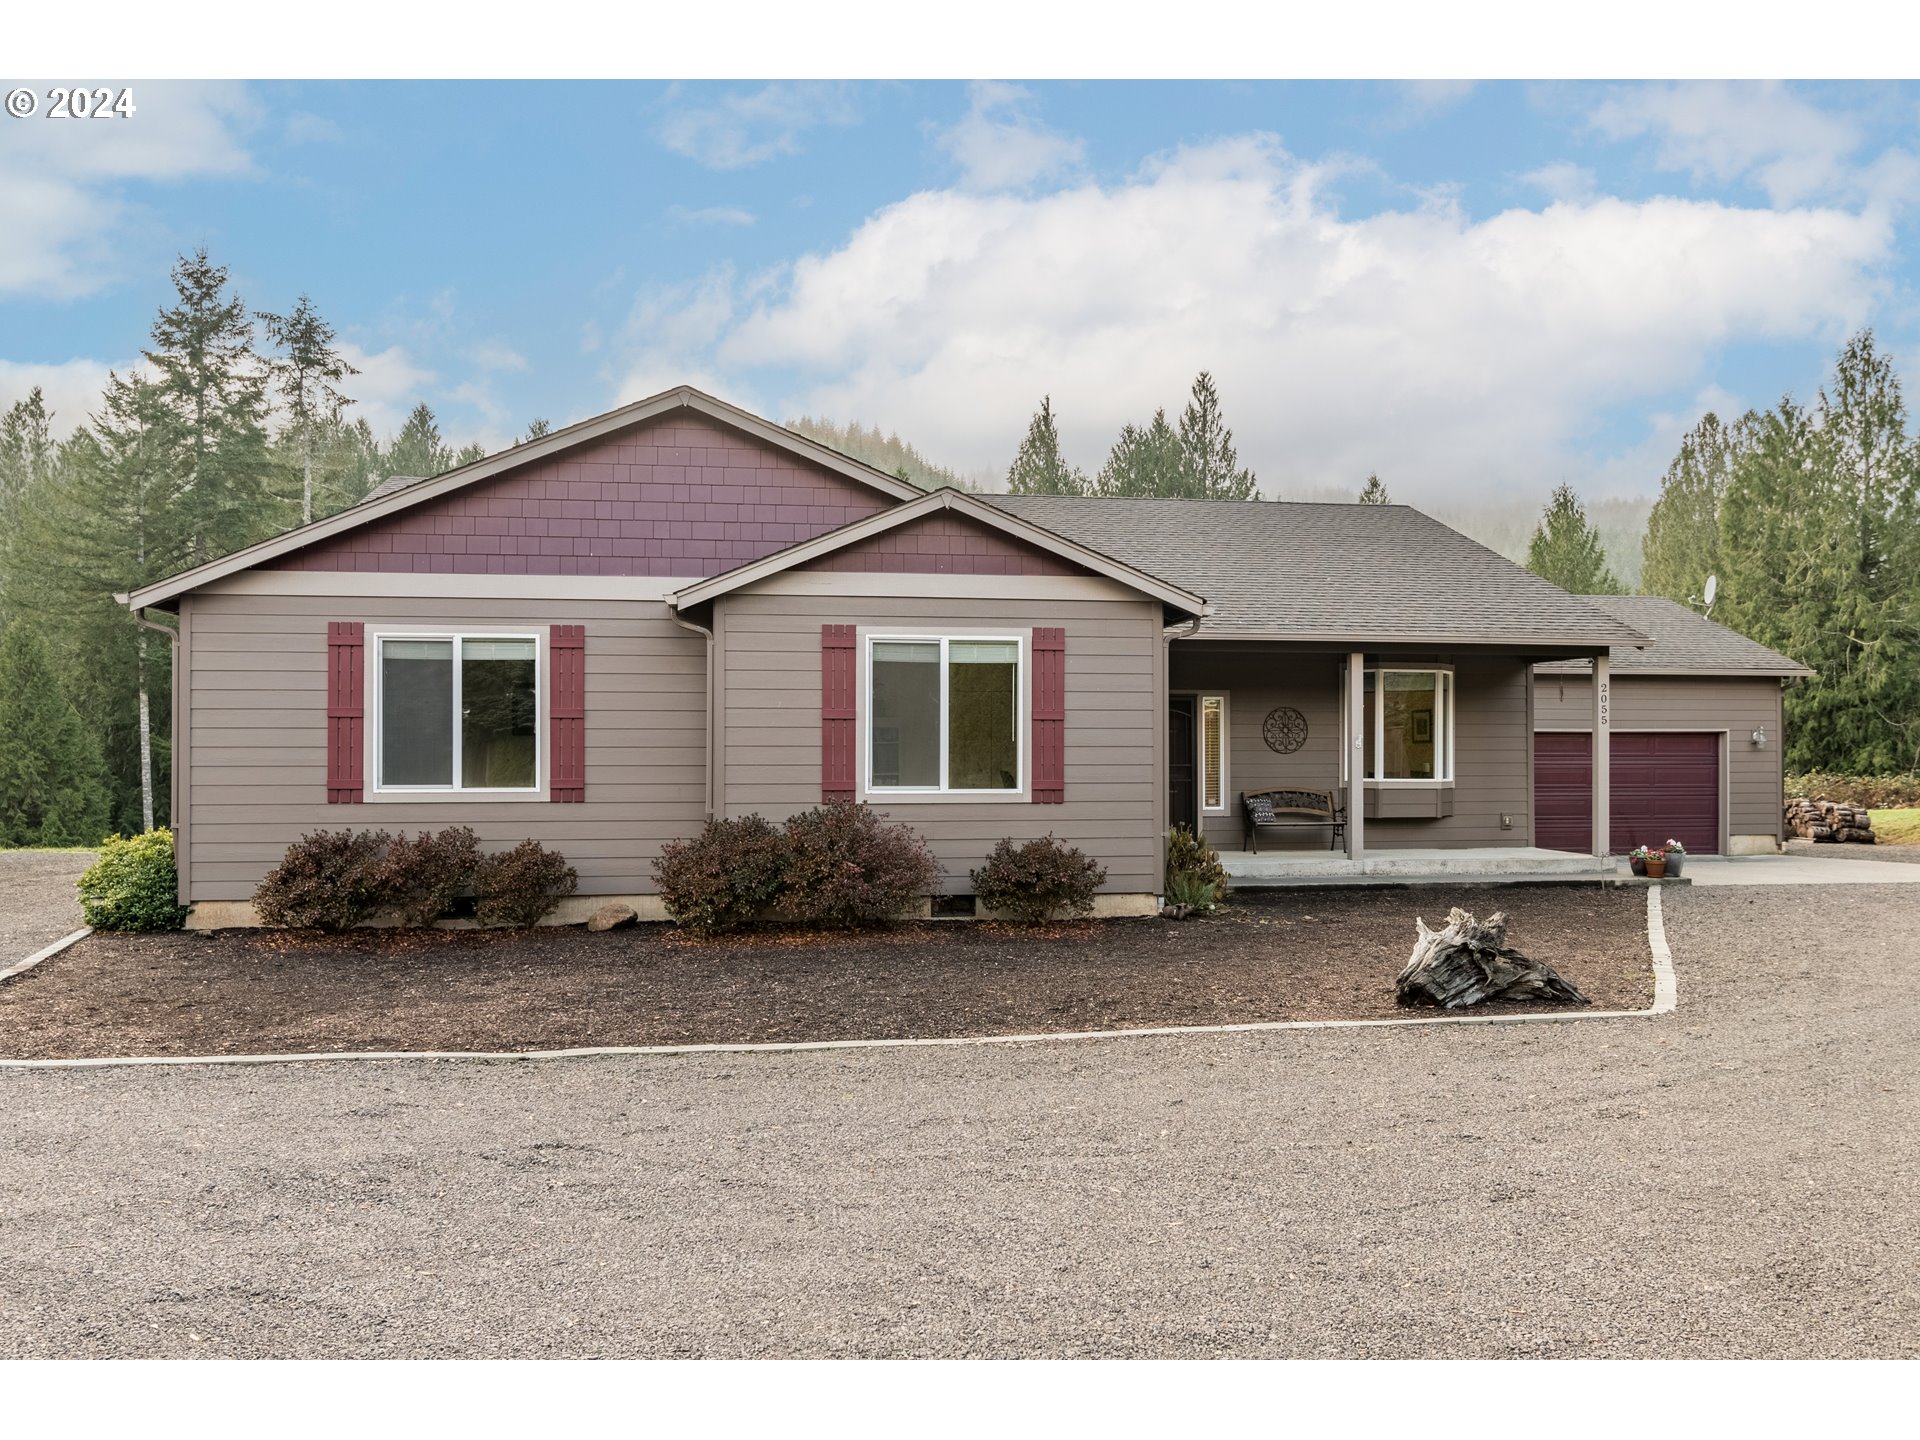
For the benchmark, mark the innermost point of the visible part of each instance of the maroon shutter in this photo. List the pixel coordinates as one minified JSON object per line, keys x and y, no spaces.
{"x":837,"y":712}
{"x":567,"y":713}
{"x":1049,"y":716}
{"x":346,"y":712}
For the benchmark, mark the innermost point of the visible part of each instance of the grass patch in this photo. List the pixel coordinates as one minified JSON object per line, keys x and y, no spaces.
{"x":1896,"y":827}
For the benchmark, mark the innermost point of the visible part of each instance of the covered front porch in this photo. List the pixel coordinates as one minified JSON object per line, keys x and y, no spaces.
{"x":1425,"y":757}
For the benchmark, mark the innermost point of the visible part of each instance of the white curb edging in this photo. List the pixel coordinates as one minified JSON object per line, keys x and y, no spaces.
{"x":47,"y":954}
{"x":1665,"y":997}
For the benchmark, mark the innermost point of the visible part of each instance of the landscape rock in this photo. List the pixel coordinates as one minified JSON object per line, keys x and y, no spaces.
{"x":611,"y":916}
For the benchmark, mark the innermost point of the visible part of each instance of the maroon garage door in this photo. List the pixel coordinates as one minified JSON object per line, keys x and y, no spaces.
{"x":1663,"y":786}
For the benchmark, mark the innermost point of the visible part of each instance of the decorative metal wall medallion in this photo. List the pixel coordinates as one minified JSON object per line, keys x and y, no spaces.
{"x":1285,"y":730}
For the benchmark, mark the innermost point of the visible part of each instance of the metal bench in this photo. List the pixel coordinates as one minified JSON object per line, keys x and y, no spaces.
{"x":1290,"y":809}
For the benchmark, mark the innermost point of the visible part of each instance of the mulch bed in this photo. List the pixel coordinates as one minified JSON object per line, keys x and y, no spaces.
{"x":1281,"y":955}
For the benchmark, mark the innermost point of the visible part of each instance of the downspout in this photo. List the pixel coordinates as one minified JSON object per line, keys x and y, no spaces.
{"x":673,"y":614}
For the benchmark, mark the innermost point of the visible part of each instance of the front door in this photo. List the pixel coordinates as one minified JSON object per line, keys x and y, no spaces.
{"x":1183,"y":791}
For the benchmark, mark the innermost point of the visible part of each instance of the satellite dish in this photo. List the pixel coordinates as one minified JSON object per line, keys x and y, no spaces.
{"x":1713,"y":589}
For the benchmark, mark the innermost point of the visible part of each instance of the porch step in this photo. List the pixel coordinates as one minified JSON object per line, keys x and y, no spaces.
{"x":1411,"y":867}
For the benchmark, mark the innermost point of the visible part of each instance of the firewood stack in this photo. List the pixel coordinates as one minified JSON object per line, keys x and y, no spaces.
{"x":1827,"y":822}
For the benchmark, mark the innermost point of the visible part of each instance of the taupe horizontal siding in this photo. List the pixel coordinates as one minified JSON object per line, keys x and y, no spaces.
{"x":1681,"y":703}
{"x":1490,"y":745}
{"x":256,"y":737}
{"x":770,"y":724}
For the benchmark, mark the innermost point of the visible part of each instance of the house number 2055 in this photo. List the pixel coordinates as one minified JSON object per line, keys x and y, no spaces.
{"x":1606,"y":702}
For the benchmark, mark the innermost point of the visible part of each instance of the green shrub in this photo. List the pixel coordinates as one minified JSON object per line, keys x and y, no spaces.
{"x":519,"y":886}
{"x":329,"y":880}
{"x":847,"y":867}
{"x":1193,"y":868}
{"x":724,"y":877}
{"x":419,"y":879}
{"x":133,"y":885}
{"x":1038,"y":880}
{"x":1871,"y":792}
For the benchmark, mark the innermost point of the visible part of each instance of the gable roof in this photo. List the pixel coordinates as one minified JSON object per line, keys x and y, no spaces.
{"x":933,"y":503}
{"x":1375,"y":574}
{"x":1684,"y":643}
{"x":391,"y":498}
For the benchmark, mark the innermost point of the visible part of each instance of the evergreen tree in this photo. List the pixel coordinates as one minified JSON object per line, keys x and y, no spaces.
{"x":1145,"y":462}
{"x":1374,"y":493}
{"x":52,"y":788}
{"x":348,"y":462}
{"x":1039,"y":468}
{"x":307,"y":369}
{"x":469,"y":454}
{"x":1211,"y":467}
{"x":1819,"y":560}
{"x":26,"y":467}
{"x":535,"y":429}
{"x":1682,"y":545}
{"x":1566,"y":548}
{"x":418,"y":449}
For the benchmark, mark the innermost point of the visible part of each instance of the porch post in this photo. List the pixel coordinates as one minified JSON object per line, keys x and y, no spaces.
{"x":1602,"y":754}
{"x":1355,"y":741}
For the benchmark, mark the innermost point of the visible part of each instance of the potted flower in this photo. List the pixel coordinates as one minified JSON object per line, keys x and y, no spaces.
{"x":1637,"y":861}
{"x":1656,"y":864}
{"x":1676,"y":856}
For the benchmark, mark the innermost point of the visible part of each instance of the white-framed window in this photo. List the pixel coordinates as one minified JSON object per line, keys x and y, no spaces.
{"x":457,"y":712}
{"x":1407,"y":724}
{"x":944,"y":714}
{"x":1211,"y":742}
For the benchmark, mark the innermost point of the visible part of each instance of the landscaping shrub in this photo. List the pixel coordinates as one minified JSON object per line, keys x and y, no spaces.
{"x":519,"y":886}
{"x":1038,"y":880}
{"x":725,"y":876}
{"x":1193,"y":868}
{"x":1192,"y":890}
{"x":133,"y":885}
{"x":419,"y":879}
{"x":329,"y":880}
{"x":847,"y":867}
{"x":1871,"y":792}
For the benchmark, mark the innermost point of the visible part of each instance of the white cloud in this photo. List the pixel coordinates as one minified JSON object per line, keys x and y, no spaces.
{"x":390,"y":383}
{"x":72,"y":387}
{"x":1562,"y":180}
{"x":490,"y":355}
{"x":305,"y":128}
{"x":751,"y":127}
{"x":66,"y":182}
{"x":710,"y":215}
{"x":999,"y":144}
{"x":1442,"y":350}
{"x":1728,"y":131}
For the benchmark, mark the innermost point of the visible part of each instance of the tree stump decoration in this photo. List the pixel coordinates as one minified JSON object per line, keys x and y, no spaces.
{"x":1469,"y":961}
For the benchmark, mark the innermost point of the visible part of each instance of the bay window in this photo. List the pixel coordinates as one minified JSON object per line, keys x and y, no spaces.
{"x":943,"y":714}
{"x":1407,"y":724}
{"x":457,"y":712}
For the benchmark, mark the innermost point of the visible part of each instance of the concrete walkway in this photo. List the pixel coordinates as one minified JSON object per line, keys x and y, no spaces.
{"x":1795,"y":870}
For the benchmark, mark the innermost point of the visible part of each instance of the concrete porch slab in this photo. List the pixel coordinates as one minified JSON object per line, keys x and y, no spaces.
{"x":1409,"y":867}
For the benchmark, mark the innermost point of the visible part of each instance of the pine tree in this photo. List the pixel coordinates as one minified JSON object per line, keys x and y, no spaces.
{"x":1039,"y":468}
{"x":536,"y":427}
{"x":348,"y":462}
{"x":214,"y":388}
{"x":1374,"y":493}
{"x":26,"y":468}
{"x":1682,"y":545}
{"x":52,"y":786}
{"x":307,"y":370}
{"x":418,"y":449}
{"x":1211,"y":467}
{"x":469,"y":455}
{"x":1566,"y":548}
{"x":1145,"y":462}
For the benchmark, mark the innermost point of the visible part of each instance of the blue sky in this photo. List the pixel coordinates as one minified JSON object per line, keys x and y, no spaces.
{"x":1476,"y":290}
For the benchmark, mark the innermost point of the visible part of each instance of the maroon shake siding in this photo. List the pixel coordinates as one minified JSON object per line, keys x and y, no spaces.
{"x":944,"y":545}
{"x":675,"y":497}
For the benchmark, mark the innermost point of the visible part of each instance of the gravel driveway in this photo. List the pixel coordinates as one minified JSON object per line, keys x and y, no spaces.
{"x":37,"y":903}
{"x":1736,"y":1179}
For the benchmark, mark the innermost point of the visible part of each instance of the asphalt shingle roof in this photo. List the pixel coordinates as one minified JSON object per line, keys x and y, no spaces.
{"x":1682,"y":641}
{"x":1364,"y":573}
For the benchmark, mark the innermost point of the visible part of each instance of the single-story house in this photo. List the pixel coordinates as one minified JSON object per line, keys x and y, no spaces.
{"x":1696,"y":752}
{"x":599,"y":637}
